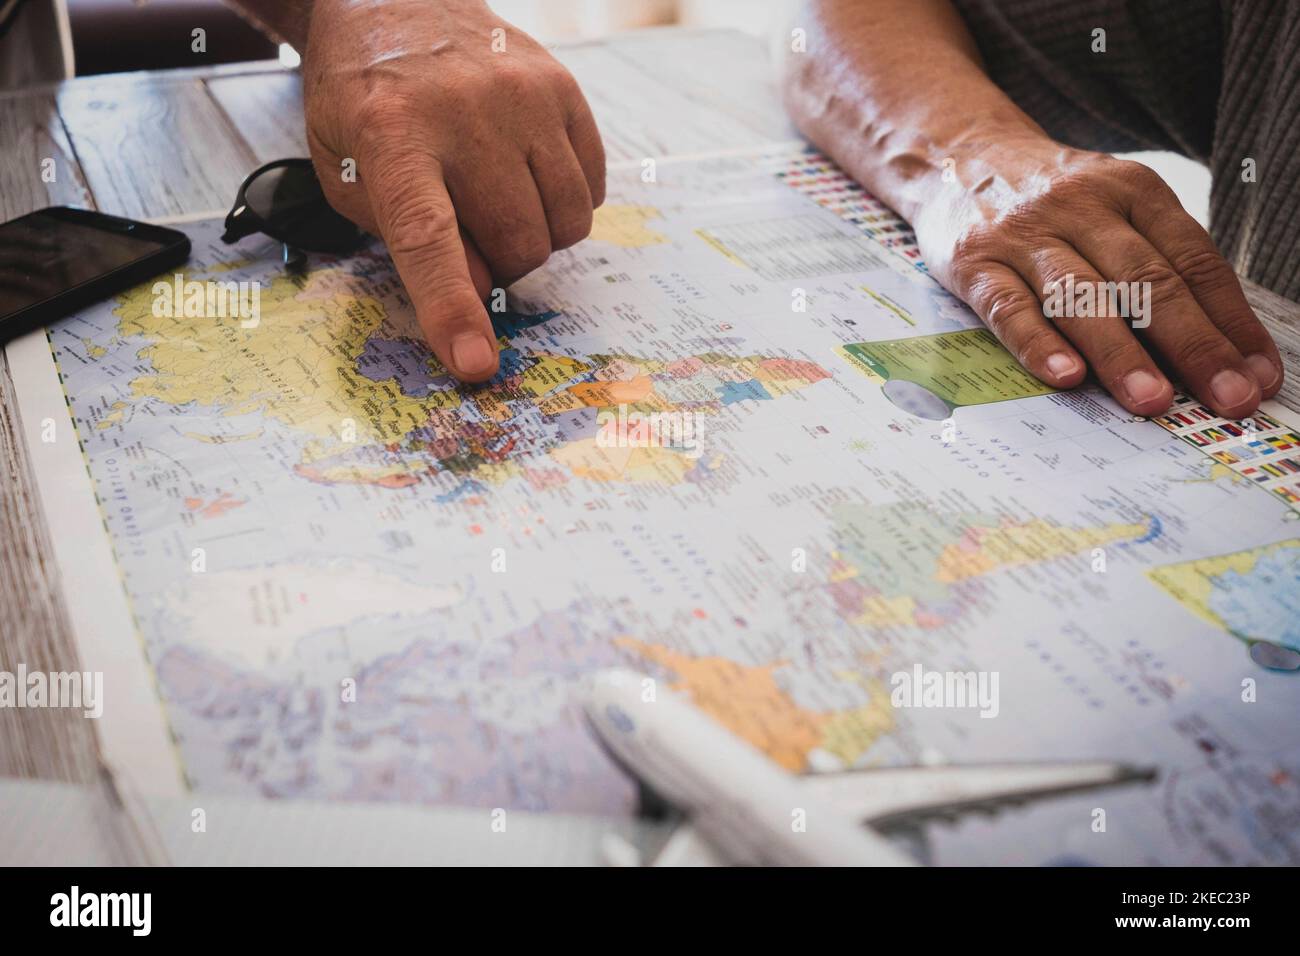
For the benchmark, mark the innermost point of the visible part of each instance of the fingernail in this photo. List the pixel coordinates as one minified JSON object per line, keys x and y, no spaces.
{"x":1142,"y":387}
{"x":1062,"y":365}
{"x":1265,"y":372}
{"x":472,"y":354}
{"x":1231,"y":388}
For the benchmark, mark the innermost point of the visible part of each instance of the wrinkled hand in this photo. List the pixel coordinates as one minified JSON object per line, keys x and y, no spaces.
{"x":1023,"y":216}
{"x":475,"y":153}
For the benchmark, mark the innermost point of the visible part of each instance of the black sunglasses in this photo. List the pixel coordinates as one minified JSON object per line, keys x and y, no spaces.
{"x":284,"y":200}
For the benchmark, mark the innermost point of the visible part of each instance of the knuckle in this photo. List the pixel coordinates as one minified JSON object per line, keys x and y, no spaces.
{"x":1202,"y":348}
{"x":1075,"y":186}
{"x":560,"y":80}
{"x":1138,"y":176}
{"x":585,"y":137}
{"x":1244,"y":330}
{"x":1030,"y":220}
{"x":524,"y":254}
{"x":1054,"y":264}
{"x":418,"y":225}
{"x":1052,"y":271}
{"x":571,"y":229}
{"x":972,"y":245}
{"x":380,"y":122}
{"x":1161,"y":276}
{"x":510,"y":81}
{"x":1206,"y":269}
{"x":591,"y":158}
{"x":1116,"y":356}
{"x":972,"y":253}
{"x":1034,"y":344}
{"x":382,"y":105}
{"x":1004,"y":303}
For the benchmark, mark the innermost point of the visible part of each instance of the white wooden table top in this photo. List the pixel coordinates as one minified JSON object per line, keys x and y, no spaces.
{"x":152,"y":145}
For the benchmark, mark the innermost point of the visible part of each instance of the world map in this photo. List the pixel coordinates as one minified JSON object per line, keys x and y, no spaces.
{"x":355,"y":579}
{"x":380,"y":409}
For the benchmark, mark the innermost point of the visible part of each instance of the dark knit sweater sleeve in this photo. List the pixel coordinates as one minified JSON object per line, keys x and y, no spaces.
{"x":1155,"y":86}
{"x":1216,"y":80}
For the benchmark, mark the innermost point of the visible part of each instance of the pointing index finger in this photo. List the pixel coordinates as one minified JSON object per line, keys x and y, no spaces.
{"x":418,"y":222}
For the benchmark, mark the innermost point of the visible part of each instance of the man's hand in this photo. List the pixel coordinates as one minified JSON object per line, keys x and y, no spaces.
{"x":1020,"y":217}
{"x":476,"y":154}
{"x":896,"y":92}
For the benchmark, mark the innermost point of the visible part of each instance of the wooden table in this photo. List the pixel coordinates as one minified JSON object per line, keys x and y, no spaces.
{"x":151,"y":145}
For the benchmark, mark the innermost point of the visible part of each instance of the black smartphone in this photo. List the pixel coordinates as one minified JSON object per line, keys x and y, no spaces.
{"x":55,"y":261}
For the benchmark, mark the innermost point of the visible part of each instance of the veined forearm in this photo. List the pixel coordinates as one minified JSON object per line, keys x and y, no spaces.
{"x":892,"y":89}
{"x":895,"y":92}
{"x":287,"y":20}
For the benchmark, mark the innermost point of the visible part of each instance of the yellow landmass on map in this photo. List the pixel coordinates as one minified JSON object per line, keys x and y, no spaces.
{"x":890,"y":305}
{"x":114,"y":416}
{"x":559,"y":403}
{"x":223,"y":439}
{"x":296,"y":365}
{"x":1191,"y":583}
{"x":976,"y":549}
{"x":751,"y":704}
{"x":385,"y":476}
{"x":548,"y":372}
{"x":219,"y":267}
{"x":879,"y":611}
{"x":849,"y":734}
{"x":586,"y":458}
{"x":873,"y":610}
{"x":625,"y":225}
{"x":867,"y":372}
{"x":1217,"y":472}
{"x":781,"y":376}
{"x":717,"y":244}
{"x":985,"y":549}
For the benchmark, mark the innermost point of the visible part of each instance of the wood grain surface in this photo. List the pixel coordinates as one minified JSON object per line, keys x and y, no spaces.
{"x":37,"y":165}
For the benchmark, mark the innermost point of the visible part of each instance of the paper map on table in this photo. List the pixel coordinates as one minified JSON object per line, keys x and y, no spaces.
{"x":355,"y":580}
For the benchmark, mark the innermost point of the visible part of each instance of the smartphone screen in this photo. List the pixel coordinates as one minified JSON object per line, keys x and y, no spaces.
{"x":57,"y":260}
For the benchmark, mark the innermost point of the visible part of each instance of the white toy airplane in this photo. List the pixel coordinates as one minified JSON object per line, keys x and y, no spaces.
{"x":741,"y":808}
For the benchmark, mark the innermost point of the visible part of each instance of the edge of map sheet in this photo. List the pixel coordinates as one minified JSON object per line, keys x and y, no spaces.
{"x":134,"y":736}
{"x":133,"y":732}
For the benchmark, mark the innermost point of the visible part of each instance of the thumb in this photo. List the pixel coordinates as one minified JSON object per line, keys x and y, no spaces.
{"x":415,"y":216}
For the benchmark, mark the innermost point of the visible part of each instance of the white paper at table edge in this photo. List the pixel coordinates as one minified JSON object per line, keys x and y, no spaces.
{"x":134,"y":736}
{"x":133,"y":732}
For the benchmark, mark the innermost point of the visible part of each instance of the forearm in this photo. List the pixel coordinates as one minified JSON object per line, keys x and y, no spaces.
{"x":286,"y":20}
{"x":892,"y":89}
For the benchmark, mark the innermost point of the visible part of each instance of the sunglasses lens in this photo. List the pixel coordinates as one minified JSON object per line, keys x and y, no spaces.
{"x":290,"y":201}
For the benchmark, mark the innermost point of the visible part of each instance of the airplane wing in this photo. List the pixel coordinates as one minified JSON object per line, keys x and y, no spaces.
{"x":895,"y":795}
{"x":880,"y":797}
